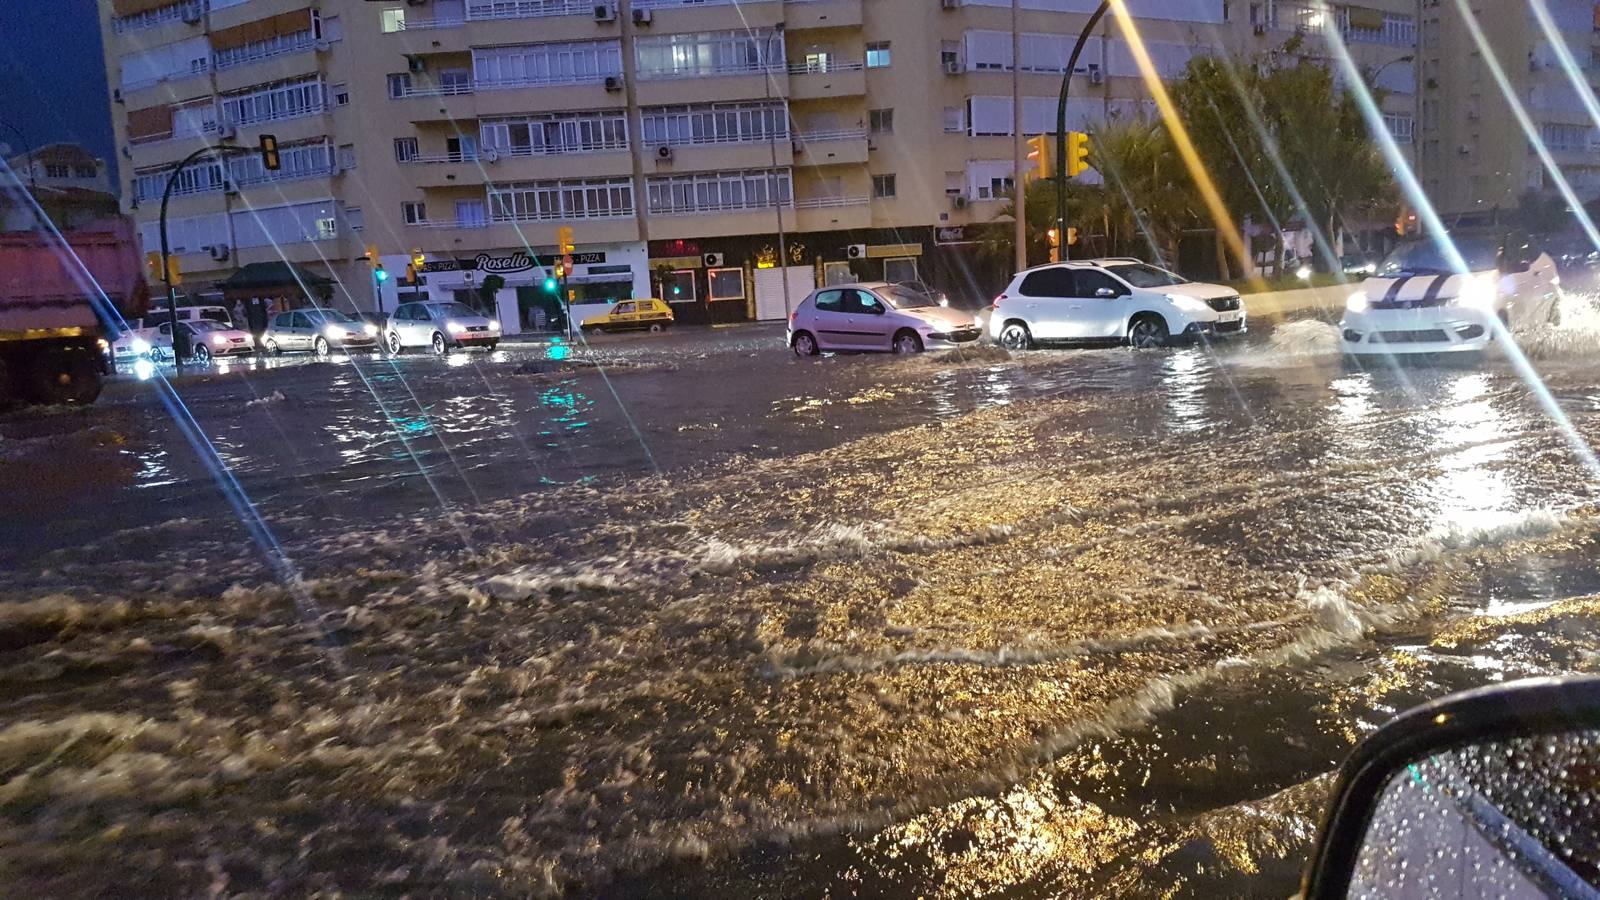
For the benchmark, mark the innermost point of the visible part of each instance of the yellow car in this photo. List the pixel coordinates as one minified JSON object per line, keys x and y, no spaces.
{"x":649,"y":314}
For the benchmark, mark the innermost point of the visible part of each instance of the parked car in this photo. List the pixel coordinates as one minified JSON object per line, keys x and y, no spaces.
{"x":319,"y":331}
{"x":142,"y":335}
{"x":934,"y":294}
{"x":649,"y":314}
{"x":1111,"y":300}
{"x":379,"y":321}
{"x":876,"y":316}
{"x":1358,"y":264}
{"x":1448,"y":295}
{"x":204,"y":339}
{"x":440,"y":326}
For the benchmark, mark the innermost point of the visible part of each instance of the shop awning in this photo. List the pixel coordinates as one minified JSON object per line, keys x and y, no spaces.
{"x":273,"y":275}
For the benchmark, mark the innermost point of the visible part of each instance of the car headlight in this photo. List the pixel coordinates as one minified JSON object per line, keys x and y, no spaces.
{"x":494,"y":324}
{"x":1479,"y":291}
{"x":1187,"y":303}
{"x":454,"y":327}
{"x":1303,"y":273}
{"x":1357,"y":302}
{"x":333,"y":332}
{"x":139,"y":345}
{"x":977,"y":321}
{"x":370,"y":328}
{"x":219,"y":340}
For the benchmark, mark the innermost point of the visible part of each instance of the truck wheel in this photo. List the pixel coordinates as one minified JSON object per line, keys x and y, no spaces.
{"x":66,"y":375}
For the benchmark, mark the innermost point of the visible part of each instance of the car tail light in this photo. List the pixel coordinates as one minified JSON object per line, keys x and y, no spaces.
{"x":794,"y":315}
{"x":996,"y":303}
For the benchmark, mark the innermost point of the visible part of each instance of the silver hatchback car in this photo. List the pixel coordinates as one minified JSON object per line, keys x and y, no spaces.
{"x":877,"y":316}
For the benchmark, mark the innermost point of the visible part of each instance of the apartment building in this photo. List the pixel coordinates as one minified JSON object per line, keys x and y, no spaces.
{"x":1476,"y":155}
{"x":69,"y":184}
{"x":725,"y":156}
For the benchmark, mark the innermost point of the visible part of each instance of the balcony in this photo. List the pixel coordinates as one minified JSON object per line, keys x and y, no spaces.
{"x":708,"y":15}
{"x":823,"y":81}
{"x":829,"y":148}
{"x":448,"y":103}
{"x":832,"y":213}
{"x":673,"y":88}
{"x":486,"y":24}
{"x":802,"y":14}
{"x":716,"y":221}
{"x":706,"y":156}
{"x":457,"y":170}
{"x":504,"y":98}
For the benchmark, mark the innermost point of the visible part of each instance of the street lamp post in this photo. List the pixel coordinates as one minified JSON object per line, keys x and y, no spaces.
{"x":1061,"y":126}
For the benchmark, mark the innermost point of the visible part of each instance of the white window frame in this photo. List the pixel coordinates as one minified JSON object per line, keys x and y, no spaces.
{"x":711,"y":283}
{"x":414,"y":212}
{"x":590,"y":131}
{"x":557,"y":62}
{"x":696,"y":54}
{"x":715,"y":123}
{"x":273,"y":103}
{"x":699,"y":192}
{"x":590,"y":198}
{"x":892,"y":182}
{"x":406,"y":149}
{"x":294,"y":223}
{"x":884,"y":58}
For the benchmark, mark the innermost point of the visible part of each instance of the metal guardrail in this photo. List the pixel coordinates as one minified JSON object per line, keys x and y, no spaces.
{"x":843,"y":134}
{"x":826,"y":68}
{"x":830,"y":202}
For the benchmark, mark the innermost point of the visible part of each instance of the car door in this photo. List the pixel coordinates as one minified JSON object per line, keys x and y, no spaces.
{"x":867,"y":318}
{"x":1101,"y":305}
{"x":1049,"y":302}
{"x":829,"y":320}
{"x":299,"y":332}
{"x":398,"y":322}
{"x":161,"y":341}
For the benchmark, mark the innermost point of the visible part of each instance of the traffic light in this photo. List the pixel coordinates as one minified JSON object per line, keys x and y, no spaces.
{"x":372,"y":257}
{"x":269,"y":152}
{"x":561,"y":271}
{"x":1039,"y":157}
{"x":152,"y":267}
{"x":418,"y":257}
{"x":411,"y":273}
{"x":1077,"y":153}
{"x":564,"y":240}
{"x":549,"y":285}
{"x":380,"y":274}
{"x":1072,"y":235}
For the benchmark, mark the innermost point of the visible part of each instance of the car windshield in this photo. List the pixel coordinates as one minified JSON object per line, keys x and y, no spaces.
{"x":904,"y":298}
{"x":454,"y":310}
{"x":1427,"y":257}
{"x":207,"y":325}
{"x":215,"y":315}
{"x":332,"y":315}
{"x":1142,"y":275}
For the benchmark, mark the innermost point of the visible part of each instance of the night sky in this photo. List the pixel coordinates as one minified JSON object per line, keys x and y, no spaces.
{"x":55,"y":80}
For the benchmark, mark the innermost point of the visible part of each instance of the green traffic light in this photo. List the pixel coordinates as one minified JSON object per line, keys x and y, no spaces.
{"x":380,"y":274}
{"x":676,"y":289}
{"x":550,"y":285}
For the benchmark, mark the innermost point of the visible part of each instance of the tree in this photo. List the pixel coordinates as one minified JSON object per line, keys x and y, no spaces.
{"x":488,"y":289}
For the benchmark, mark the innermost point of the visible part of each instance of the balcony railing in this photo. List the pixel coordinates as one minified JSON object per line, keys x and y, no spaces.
{"x":824,"y":67}
{"x":198,"y":67}
{"x":720,"y":139}
{"x":315,"y":109}
{"x":500,"y":84}
{"x":492,"y":154}
{"x":829,"y":202}
{"x":744,"y":69}
{"x":445,"y":90}
{"x":733,"y":206}
{"x":254,"y":53}
{"x":500,"y":11}
{"x":677,"y":4}
{"x":842,"y":134}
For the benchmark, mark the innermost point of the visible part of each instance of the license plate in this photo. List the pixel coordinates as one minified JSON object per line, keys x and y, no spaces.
{"x":1228,"y":317}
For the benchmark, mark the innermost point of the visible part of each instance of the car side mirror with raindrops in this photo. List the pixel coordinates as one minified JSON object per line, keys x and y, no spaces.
{"x":1105,"y":292}
{"x":1493,"y":792}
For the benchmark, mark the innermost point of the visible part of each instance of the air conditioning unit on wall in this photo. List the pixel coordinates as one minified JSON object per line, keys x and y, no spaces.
{"x":642,"y":15}
{"x":712,"y":260}
{"x":856,"y":251}
{"x":664,"y":153}
{"x":952,"y":67}
{"x":605,"y":12}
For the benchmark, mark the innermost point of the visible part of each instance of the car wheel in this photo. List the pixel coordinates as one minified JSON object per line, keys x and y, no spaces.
{"x":320,"y":346}
{"x":489,"y":347}
{"x":66,"y":375}
{"x":1148,"y":332}
{"x":655,"y":327}
{"x":394,"y":344}
{"x":906,"y":343}
{"x":439,"y":346}
{"x":202,"y":355}
{"x":1016,"y":336}
{"x":805,"y":344}
{"x":271,"y":346}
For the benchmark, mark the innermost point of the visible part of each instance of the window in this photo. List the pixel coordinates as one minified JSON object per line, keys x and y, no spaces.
{"x":1090,"y":282}
{"x":300,"y":320}
{"x":707,"y":53}
{"x":286,"y":100}
{"x":399,"y":84}
{"x":340,"y":94}
{"x":393,"y":20}
{"x":1564,"y":137}
{"x":830,"y":301}
{"x":270,"y":226}
{"x":715,"y":123}
{"x":471,"y":213}
{"x":862,"y":303}
{"x":463,"y":148}
{"x":880,"y":121}
{"x":877,"y":54}
{"x":355,"y":218}
{"x":84,"y":171}
{"x":953,"y":184}
{"x":1056,"y":282}
{"x":1400,"y":126}
{"x":265,"y":48}
{"x":542,"y":200}
{"x":837,"y":273}
{"x":347,"y":156}
{"x":565,"y":62}
{"x":414,"y":212}
{"x":57,"y":171}
{"x":899,"y":269}
{"x":709,"y":191}
{"x":198,"y":178}
{"x":954,"y":122}
{"x":405,"y":149}
{"x":678,"y":286}
{"x":727,"y":284}
{"x":575,"y":132}
{"x":883,"y":186}
{"x":305,"y":160}
{"x":455,"y":81}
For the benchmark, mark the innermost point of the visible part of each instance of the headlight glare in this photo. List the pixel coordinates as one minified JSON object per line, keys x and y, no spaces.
{"x":1357,"y":302}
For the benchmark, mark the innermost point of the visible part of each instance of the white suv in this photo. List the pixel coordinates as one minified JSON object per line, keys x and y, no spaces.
{"x":1110,"y":299}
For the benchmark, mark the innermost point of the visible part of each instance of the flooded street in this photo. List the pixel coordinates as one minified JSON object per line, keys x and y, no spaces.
{"x":686,"y":615}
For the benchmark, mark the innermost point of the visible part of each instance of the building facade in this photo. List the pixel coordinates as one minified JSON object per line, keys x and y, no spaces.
{"x":1476,"y":155}
{"x":70,"y":185}
{"x":725,"y":156}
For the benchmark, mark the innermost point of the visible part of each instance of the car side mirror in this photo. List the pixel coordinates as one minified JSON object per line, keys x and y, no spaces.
{"x":1105,"y":292}
{"x":1493,"y":790}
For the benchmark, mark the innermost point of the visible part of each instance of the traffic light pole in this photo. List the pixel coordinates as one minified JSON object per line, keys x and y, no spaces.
{"x":1061,"y":128}
{"x":269,"y":155}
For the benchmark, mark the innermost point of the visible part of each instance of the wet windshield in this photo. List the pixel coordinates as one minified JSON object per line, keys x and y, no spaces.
{"x":1428,"y":257}
{"x":905,"y":298}
{"x":207,"y":325}
{"x":898,"y":549}
{"x":1141,"y":275}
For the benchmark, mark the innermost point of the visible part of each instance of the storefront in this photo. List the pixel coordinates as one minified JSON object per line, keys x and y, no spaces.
{"x":522,"y":290}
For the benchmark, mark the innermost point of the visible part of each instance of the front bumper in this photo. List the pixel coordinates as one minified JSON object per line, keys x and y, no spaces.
{"x":1218,"y":328}
{"x":1444,"y":329}
{"x":364,"y":342}
{"x":476,"y":339}
{"x":948,"y":340}
{"x":231,"y":349}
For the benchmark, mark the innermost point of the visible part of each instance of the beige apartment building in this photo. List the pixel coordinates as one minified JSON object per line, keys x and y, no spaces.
{"x":1476,"y":155}
{"x":725,"y":156}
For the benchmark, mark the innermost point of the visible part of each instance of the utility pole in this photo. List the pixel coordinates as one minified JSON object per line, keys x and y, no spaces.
{"x":1019,"y":179}
{"x":1061,"y":126}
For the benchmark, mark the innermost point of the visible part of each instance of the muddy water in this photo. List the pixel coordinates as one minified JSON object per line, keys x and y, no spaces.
{"x":713,"y":623}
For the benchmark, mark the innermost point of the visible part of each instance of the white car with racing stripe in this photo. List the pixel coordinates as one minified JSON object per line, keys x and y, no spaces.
{"x":1420,"y":300}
